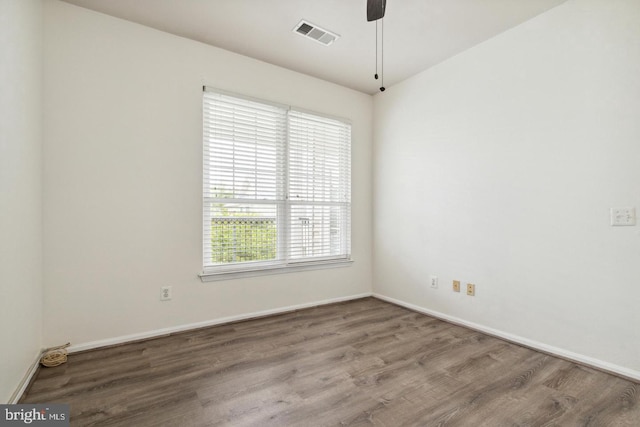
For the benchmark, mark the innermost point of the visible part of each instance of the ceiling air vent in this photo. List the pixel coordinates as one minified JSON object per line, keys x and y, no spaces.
{"x":309,"y":30}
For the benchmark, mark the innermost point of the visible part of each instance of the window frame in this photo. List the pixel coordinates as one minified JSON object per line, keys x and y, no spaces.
{"x":283,"y":263}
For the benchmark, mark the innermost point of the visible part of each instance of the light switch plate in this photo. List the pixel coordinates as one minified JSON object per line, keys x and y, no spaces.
{"x":623,"y":216}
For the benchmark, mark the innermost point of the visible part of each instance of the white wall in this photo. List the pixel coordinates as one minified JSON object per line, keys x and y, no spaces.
{"x":122,"y":205}
{"x":499,"y":166}
{"x":20,"y":190}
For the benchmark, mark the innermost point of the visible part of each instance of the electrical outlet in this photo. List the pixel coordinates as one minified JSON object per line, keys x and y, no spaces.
{"x":471,"y":289}
{"x":623,"y":216}
{"x":456,"y":286}
{"x":434,"y":282}
{"x":165,"y":293}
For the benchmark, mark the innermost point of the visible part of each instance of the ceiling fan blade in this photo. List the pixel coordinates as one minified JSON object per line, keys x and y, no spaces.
{"x":375,"y":9}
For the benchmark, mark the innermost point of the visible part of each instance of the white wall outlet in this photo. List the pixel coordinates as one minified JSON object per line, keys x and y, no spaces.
{"x":165,"y":293}
{"x":623,"y":216}
{"x":434,"y":282}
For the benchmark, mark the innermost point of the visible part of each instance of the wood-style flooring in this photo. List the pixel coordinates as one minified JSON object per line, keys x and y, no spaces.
{"x":363,"y":362}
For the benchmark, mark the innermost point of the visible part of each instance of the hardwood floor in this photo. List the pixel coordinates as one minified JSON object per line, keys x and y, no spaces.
{"x":363,"y":362}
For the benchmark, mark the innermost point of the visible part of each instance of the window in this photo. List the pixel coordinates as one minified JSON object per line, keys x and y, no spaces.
{"x":277,"y":187}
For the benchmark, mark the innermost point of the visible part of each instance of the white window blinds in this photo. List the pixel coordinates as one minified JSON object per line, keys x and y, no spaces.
{"x":277,"y":186}
{"x":319,"y":186}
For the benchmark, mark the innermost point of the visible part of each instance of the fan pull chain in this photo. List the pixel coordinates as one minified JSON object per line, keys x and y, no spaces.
{"x":376,"y":74}
{"x":382,"y":88}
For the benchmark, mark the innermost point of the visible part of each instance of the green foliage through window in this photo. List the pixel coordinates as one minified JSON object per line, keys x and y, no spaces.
{"x":243,"y":238}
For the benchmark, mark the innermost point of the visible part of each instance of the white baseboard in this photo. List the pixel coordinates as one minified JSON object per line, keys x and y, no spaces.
{"x":181,"y":328}
{"x":562,"y":353}
{"x":15,"y":397}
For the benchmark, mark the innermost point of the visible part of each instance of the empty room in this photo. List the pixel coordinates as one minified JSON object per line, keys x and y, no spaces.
{"x":296,"y":213}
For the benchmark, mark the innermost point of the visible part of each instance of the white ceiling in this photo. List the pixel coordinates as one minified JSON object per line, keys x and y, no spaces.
{"x":417,"y":33}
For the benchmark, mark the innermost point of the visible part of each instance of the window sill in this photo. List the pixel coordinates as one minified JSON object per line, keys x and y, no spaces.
{"x":213,"y":276}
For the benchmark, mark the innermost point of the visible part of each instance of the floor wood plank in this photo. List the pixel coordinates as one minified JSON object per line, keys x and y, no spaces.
{"x":358,"y":363}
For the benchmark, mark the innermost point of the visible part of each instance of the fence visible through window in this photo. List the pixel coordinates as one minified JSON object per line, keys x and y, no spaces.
{"x":239,"y":239}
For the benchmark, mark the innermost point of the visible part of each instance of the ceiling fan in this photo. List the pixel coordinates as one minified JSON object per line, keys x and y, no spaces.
{"x":375,"y":12}
{"x":375,"y":9}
